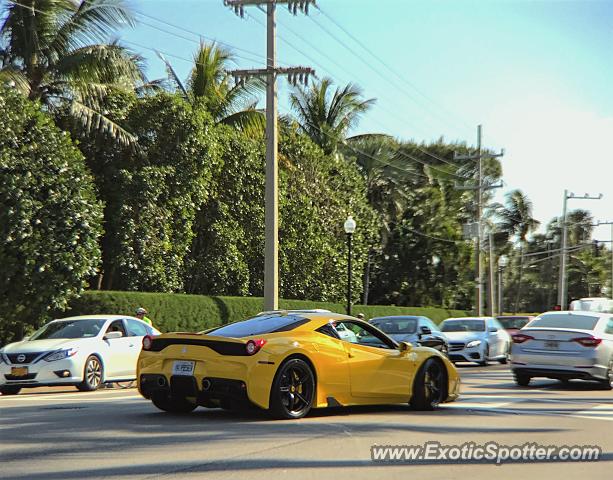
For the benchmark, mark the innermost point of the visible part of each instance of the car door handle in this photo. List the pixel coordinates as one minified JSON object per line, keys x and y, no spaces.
{"x":350,"y":355}
{"x":131,"y":345}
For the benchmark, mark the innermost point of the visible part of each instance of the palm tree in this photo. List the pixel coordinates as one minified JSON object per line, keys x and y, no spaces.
{"x":325,"y":115}
{"x":516,"y":219}
{"x":55,"y":52}
{"x":210,"y":85}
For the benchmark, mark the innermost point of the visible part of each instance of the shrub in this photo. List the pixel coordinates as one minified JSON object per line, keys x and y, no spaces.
{"x":180,"y":312}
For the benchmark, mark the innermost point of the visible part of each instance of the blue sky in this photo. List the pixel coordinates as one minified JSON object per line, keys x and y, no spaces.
{"x":537,"y":74}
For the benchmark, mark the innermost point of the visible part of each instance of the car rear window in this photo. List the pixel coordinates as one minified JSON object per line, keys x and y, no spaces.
{"x":463,"y":326}
{"x":395,"y":325}
{"x":581,"y":322}
{"x":260,"y":325}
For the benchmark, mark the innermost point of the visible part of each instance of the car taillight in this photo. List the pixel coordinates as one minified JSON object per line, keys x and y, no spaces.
{"x":521,"y":338}
{"x":253,"y":346}
{"x":587,"y":341}
{"x":147,"y":342}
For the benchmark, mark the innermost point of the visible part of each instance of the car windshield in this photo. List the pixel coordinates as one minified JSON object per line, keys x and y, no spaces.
{"x":392,"y":326}
{"x":69,"y":329}
{"x":463,"y":326}
{"x":581,"y":322}
{"x":259,"y":326}
{"x":513,"y":322}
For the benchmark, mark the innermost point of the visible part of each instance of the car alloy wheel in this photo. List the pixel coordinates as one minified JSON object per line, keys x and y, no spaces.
{"x":92,"y":374}
{"x":293,"y":390}
{"x":429,"y":385}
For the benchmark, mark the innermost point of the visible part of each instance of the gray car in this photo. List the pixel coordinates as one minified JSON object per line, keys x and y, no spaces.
{"x":415,"y":329}
{"x":476,"y":339}
{"x":564,"y":346}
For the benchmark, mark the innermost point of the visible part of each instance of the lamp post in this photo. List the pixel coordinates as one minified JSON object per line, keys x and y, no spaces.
{"x":349,"y":229}
{"x":502,"y":263}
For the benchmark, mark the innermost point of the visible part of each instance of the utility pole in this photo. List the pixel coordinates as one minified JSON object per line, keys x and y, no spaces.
{"x":562,"y":284}
{"x":270,"y":73}
{"x":478,"y":188}
{"x":492,"y":309}
{"x":611,"y":224}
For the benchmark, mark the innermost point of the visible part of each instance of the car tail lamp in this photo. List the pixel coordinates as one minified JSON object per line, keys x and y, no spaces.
{"x":521,"y":338}
{"x":147,"y":342}
{"x":253,"y":346}
{"x":588,"y":341}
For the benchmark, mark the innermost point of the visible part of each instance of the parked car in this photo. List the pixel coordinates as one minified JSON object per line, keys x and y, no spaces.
{"x":593,"y":304}
{"x":513,"y":323}
{"x":476,"y":339}
{"x":84,"y":351}
{"x":288,"y":362}
{"x":564,"y":346}
{"x":413,"y":329}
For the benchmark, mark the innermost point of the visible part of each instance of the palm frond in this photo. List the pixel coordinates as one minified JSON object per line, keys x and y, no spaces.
{"x":172,"y":75}
{"x":95,"y":122}
{"x":252,"y":122}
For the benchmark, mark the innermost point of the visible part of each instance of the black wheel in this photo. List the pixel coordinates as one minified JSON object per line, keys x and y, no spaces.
{"x":429,"y":385}
{"x":504,"y":360}
{"x":92,"y":375}
{"x":486,"y":355}
{"x":293,"y":390}
{"x":10,"y":390}
{"x":171,"y":404}
{"x":608,"y":383}
{"x":522,"y":379}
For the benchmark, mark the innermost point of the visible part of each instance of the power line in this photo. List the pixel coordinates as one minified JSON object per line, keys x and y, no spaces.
{"x":390,"y":69}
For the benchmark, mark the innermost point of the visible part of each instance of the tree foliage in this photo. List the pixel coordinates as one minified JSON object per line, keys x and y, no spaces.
{"x":57,"y":52}
{"x":50,"y":219}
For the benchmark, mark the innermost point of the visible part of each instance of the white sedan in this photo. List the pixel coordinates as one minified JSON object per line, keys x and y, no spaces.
{"x":84,"y":351}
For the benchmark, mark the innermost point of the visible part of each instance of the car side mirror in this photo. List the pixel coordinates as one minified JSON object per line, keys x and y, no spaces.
{"x":493,"y":329}
{"x":405,"y":347}
{"x":112,"y":335}
{"x":425,"y":330}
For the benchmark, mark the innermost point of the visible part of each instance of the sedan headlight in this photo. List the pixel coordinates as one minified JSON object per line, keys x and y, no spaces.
{"x":474,"y":343}
{"x":2,"y":358}
{"x":60,"y":355}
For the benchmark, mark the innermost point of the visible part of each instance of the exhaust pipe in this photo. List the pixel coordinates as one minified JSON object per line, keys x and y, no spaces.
{"x":162,"y":381}
{"x":206,"y":384}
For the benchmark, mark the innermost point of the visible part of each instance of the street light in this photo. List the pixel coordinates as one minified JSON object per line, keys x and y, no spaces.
{"x":503,"y":261}
{"x":349,"y":229}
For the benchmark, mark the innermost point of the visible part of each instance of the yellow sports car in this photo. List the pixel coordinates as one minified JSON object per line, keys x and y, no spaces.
{"x":288,"y":362}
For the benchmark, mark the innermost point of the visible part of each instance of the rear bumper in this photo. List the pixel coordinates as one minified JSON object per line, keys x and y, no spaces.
{"x":561,"y":373}
{"x":211,"y":392}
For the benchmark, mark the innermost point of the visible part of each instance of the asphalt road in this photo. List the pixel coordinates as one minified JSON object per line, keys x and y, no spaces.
{"x":63,"y":434}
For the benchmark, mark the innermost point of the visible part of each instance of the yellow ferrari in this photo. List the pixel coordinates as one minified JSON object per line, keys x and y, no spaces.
{"x":288,"y":362}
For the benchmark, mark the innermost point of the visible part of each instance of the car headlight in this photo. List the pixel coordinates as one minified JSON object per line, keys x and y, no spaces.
{"x":2,"y":358}
{"x":60,"y":355}
{"x":474,"y":343}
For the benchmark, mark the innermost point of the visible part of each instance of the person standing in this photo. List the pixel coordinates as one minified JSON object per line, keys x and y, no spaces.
{"x":141,"y":314}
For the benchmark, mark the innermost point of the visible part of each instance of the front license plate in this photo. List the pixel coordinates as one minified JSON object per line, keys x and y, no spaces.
{"x":182,"y":367}
{"x":552,"y":344}
{"x":19,"y":371}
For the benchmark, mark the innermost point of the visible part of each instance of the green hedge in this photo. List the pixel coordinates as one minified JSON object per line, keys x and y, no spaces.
{"x":177,"y":312}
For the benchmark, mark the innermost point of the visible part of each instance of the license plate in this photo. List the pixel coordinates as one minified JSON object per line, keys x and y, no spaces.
{"x":181,"y":367}
{"x":19,"y":371}
{"x":552,"y":344}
